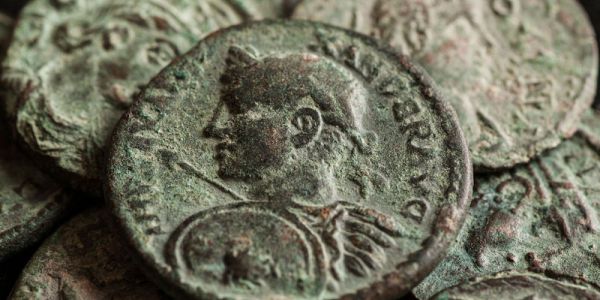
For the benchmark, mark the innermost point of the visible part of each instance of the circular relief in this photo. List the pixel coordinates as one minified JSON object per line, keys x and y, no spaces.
{"x":519,"y":73}
{"x":73,"y":68}
{"x":289,"y":159}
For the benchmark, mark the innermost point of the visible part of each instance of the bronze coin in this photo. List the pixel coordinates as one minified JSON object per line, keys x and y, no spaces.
{"x":290,"y":160}
{"x":544,"y":216}
{"x":518,"y":286}
{"x":84,"y":259}
{"x":31,"y":203}
{"x":74,"y":66}
{"x":518,"y":72}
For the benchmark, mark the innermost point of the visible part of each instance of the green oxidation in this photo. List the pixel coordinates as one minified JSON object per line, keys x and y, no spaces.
{"x":542,"y":217}
{"x":521,"y":285}
{"x":519,"y":73}
{"x":84,"y":259}
{"x":74,"y":67}
{"x":293,"y":160}
{"x":31,"y":203}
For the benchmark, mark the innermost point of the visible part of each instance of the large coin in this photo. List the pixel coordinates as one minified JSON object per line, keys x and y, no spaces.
{"x":518,"y":286}
{"x":518,"y":72}
{"x":290,"y":159}
{"x":544,"y":216}
{"x":74,"y":66}
{"x":84,"y":259}
{"x":31,"y":203}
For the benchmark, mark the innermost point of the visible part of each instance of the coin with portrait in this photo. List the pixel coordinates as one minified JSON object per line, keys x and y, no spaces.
{"x":74,"y":66}
{"x":543,"y":216}
{"x":289,"y":159}
{"x":31,"y":202}
{"x":518,"y":72}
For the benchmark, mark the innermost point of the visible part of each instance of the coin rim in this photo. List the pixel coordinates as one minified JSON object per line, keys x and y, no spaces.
{"x":393,"y":284}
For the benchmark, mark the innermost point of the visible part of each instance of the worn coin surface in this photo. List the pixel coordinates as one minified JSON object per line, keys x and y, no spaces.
{"x":518,"y":286}
{"x":74,"y":66}
{"x":31,"y":203}
{"x":84,"y":259}
{"x":518,"y":72}
{"x":290,"y":159}
{"x":543,"y":216}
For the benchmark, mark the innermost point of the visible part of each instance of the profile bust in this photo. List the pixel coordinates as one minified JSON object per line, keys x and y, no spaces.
{"x":292,"y":129}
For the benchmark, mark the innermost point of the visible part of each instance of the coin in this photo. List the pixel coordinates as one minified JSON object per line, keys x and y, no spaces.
{"x":289,"y":159}
{"x":31,"y":203}
{"x":74,"y":66}
{"x":522,"y":286}
{"x":593,"y":9}
{"x":84,"y":259}
{"x":543,"y":217}
{"x":518,"y":72}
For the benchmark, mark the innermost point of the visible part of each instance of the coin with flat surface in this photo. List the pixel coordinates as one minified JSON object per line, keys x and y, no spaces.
{"x":31,"y":203}
{"x":74,"y":66}
{"x":518,"y":72}
{"x":290,"y":160}
{"x":84,"y":259}
{"x":544,"y":216}
{"x":518,"y":286}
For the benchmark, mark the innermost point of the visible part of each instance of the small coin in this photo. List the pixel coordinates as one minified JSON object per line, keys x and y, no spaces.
{"x":74,"y":66}
{"x":31,"y":203}
{"x":517,"y":286}
{"x":544,"y":216}
{"x":293,"y":160}
{"x":84,"y":259}
{"x":518,"y":72}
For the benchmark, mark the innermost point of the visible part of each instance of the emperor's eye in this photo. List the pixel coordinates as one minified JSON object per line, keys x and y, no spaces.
{"x":161,"y":52}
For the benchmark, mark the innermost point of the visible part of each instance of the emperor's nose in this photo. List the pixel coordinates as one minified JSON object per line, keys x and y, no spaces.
{"x":214,"y":132}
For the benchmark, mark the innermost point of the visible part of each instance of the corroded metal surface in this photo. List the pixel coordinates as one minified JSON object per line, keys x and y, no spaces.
{"x":74,"y":67}
{"x":295,"y":132}
{"x":518,"y":72}
{"x":31,"y":203}
{"x":518,"y":286}
{"x":543,"y":217}
{"x":84,"y":259}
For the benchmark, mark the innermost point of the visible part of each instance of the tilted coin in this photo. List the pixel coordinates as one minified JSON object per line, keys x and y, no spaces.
{"x":84,"y":259}
{"x":31,"y":203}
{"x":518,"y":286}
{"x":543,"y":217}
{"x":74,"y":66}
{"x":289,"y":159}
{"x":518,"y":72}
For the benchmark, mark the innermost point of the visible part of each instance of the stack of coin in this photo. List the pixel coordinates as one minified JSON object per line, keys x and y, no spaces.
{"x":299,"y":149}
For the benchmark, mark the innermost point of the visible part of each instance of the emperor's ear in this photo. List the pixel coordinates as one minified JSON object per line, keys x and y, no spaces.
{"x":308,"y":123}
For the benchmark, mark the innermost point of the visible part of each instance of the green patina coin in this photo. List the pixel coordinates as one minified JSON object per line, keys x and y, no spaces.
{"x":31,"y":203}
{"x":518,"y":72}
{"x":84,"y":259}
{"x":290,"y":160}
{"x":518,"y":286}
{"x":74,"y":66}
{"x":543,"y":217}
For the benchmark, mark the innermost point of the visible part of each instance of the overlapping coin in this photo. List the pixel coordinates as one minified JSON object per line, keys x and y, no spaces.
{"x":74,"y":66}
{"x":292,"y":160}
{"x":84,"y":259}
{"x":31,"y":203}
{"x":515,"y":285}
{"x":518,"y":72}
{"x":544,"y":217}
